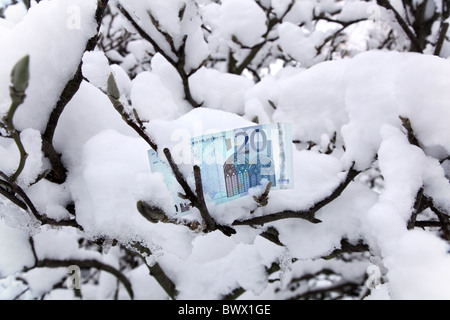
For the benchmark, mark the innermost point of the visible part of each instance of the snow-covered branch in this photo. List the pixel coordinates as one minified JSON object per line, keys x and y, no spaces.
{"x":107,"y":85}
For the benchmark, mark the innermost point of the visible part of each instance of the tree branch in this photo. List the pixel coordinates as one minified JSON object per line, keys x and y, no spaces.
{"x":178,"y":65}
{"x":210,"y":223}
{"x":51,"y":263}
{"x":155,"y":270}
{"x":59,"y":173}
{"x":114,"y":96}
{"x":15,"y":192}
{"x":415,"y":44}
{"x":19,"y":83}
{"x":197,"y":200}
{"x":443,"y":28}
{"x":309,"y":214}
{"x":256,"y":49}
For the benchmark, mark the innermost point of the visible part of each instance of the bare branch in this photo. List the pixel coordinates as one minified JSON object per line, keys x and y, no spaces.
{"x":19,"y":78}
{"x":59,"y":173}
{"x":309,"y":214}
{"x":51,"y":263}
{"x":114,"y":96}
{"x":178,"y":65}
{"x":155,"y":270}
{"x":415,"y":44}
{"x":257,"y":48}
{"x":443,"y":28}
{"x":13,"y":192}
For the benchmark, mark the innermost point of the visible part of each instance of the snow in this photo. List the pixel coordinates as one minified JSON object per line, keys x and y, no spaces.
{"x":51,"y":199}
{"x":41,"y":281}
{"x":96,"y":69}
{"x":45,"y":40}
{"x":358,"y":100}
{"x":111,"y":159}
{"x":145,"y":287}
{"x":219,"y":90}
{"x":54,"y":245}
{"x":429,"y":103}
{"x":301,"y":12}
{"x":162,"y":20}
{"x":313,"y":101}
{"x":151,"y":98}
{"x":216,"y":278}
{"x":15,"y":13}
{"x":298,"y":44}
{"x":15,"y":253}
{"x":171,"y":80}
{"x":242,"y":19}
{"x":31,"y":140}
{"x":341,"y":220}
{"x":419,"y":253}
{"x":355,"y":10}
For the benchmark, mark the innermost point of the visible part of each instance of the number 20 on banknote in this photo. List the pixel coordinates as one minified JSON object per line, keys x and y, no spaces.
{"x":234,"y":161}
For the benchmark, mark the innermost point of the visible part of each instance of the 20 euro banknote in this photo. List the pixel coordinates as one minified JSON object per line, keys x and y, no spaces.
{"x":232,"y":162}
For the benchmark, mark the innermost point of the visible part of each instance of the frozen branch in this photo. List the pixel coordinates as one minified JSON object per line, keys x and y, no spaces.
{"x":114,"y":96}
{"x":59,"y":173}
{"x":155,"y":269}
{"x":179,"y":53}
{"x":443,"y":29}
{"x":309,"y":214}
{"x":51,"y":263}
{"x":13,"y":192}
{"x":197,"y":200}
{"x":19,"y":83}
{"x":415,"y":44}
{"x":272,"y":23}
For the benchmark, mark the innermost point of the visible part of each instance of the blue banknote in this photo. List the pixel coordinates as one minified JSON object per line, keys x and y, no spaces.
{"x":181,"y":206}
{"x":232,"y":162}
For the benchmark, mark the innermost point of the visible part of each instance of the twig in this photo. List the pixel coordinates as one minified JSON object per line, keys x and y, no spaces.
{"x":411,"y":136}
{"x":415,"y":44}
{"x":19,"y":197}
{"x":309,"y":214}
{"x":155,"y":270}
{"x":114,"y":96}
{"x":445,"y":159}
{"x":51,"y":263}
{"x":443,"y":220}
{"x":180,"y":54}
{"x":11,"y":197}
{"x":197,"y":200}
{"x":256,"y":49}
{"x":210,"y":224}
{"x":59,"y":173}
{"x":418,"y":208}
{"x":443,"y":28}
{"x":430,"y":223}
{"x":347,"y":247}
{"x":19,"y":78}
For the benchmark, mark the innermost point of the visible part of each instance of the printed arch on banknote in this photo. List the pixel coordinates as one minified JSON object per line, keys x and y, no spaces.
{"x":239,"y":178}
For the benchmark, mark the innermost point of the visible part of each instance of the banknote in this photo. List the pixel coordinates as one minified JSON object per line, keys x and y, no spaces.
{"x":181,"y":206}
{"x":232,"y":162}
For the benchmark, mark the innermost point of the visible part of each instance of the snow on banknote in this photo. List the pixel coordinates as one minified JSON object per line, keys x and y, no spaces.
{"x":232,"y":162}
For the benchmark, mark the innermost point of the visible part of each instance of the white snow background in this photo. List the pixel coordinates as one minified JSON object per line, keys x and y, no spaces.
{"x":360,"y":99}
